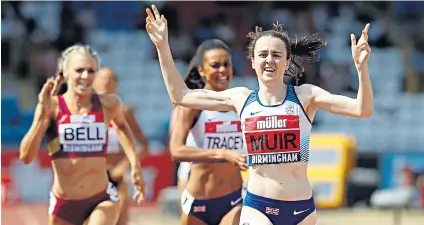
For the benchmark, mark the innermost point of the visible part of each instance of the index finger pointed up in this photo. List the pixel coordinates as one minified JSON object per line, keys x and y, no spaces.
{"x":156,"y":12}
{"x":367,"y":27}
{"x":364,"y":36}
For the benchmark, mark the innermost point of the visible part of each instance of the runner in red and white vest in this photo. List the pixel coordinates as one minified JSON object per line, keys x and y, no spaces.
{"x":75,"y":125}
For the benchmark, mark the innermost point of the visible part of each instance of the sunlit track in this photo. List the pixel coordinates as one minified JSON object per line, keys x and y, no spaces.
{"x":36,"y":214}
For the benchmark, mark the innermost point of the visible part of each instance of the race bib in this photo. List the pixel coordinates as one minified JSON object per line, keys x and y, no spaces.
{"x":84,"y":133}
{"x":85,"y":137}
{"x":223,"y":135}
{"x":272,"y":139}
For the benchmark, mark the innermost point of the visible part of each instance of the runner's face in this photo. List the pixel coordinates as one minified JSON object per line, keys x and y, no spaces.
{"x":216,"y":69}
{"x":270,"y":59}
{"x":80,"y":71}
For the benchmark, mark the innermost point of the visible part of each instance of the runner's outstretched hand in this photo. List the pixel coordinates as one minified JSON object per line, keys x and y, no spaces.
{"x":156,"y":27}
{"x":45,"y":100}
{"x":361,"y":50}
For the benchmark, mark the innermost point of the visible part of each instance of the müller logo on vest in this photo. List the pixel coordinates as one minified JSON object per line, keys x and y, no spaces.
{"x":271,"y":122}
{"x":272,"y":139}
{"x":223,"y":134}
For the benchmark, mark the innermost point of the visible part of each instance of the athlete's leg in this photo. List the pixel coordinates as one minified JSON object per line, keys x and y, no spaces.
{"x":55,"y":220}
{"x":311,"y":219}
{"x":124,"y":203}
{"x":56,"y":214}
{"x":233,"y":216}
{"x":251,"y":216}
{"x":105,"y":213}
{"x":186,"y":206}
{"x":191,"y":220}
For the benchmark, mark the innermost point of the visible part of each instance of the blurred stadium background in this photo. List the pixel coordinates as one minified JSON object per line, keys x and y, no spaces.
{"x":358,"y":166}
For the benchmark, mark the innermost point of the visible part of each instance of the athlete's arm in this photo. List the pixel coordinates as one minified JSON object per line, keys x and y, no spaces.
{"x":136,"y":130}
{"x":125,"y":136}
{"x":173,"y":120}
{"x":31,"y":142}
{"x":122,"y":166}
{"x":361,"y":106}
{"x":184,"y":118}
{"x":229,"y":100}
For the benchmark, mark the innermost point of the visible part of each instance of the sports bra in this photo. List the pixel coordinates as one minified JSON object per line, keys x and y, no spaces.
{"x":275,"y":134}
{"x":70,"y":136}
{"x":216,"y":130}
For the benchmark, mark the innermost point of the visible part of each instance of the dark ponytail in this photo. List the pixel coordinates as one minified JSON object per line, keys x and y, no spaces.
{"x":193,"y":79}
{"x":305,"y":48}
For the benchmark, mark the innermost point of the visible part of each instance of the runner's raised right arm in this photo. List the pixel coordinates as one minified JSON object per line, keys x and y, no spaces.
{"x":30,"y":144}
{"x":179,"y":93}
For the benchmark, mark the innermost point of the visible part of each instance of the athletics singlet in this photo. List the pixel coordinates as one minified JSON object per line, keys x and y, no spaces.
{"x":216,"y":130}
{"x":72,"y":136}
{"x":278,"y":133}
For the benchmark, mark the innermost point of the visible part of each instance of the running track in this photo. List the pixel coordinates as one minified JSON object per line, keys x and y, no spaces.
{"x":36,"y":214}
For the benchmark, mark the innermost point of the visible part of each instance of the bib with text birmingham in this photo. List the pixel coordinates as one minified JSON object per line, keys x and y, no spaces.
{"x":272,"y":139}
{"x":223,"y":135}
{"x":83,"y":133}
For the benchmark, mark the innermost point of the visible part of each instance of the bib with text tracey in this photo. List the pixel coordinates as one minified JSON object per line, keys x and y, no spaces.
{"x":83,"y":137}
{"x":223,"y":135}
{"x":272,"y":139}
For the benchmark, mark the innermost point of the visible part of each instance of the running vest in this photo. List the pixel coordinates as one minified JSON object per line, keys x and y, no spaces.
{"x":216,"y":130}
{"x":71,"y":136}
{"x":275,"y":134}
{"x":113,"y":144}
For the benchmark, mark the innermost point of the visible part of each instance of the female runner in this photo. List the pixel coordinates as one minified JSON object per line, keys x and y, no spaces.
{"x":276,"y":118}
{"x":106,"y":83}
{"x":211,"y":142}
{"x":75,"y":125}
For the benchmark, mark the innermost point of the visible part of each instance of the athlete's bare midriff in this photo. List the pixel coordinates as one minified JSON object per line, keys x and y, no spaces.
{"x":79,"y":178}
{"x":213,"y":180}
{"x":288,"y":182}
